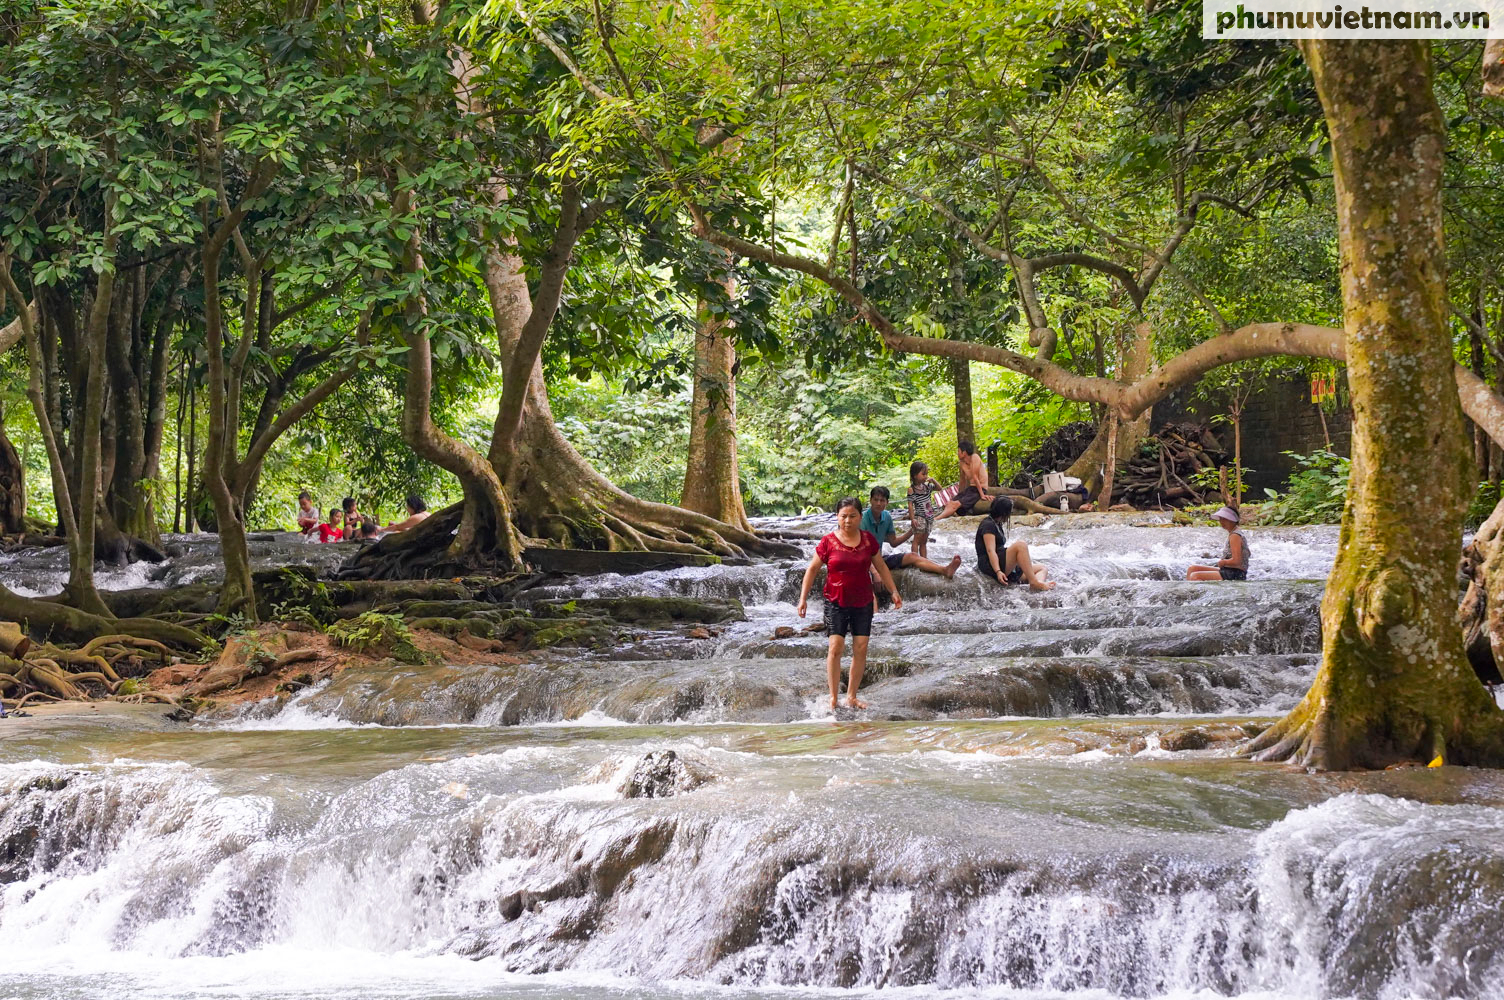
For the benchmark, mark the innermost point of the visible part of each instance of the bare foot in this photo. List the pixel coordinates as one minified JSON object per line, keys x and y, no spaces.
{"x":835,"y":702}
{"x":1042,"y":585}
{"x":950,"y":569}
{"x":852,"y":701}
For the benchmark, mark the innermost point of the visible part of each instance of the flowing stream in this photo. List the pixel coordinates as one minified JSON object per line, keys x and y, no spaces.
{"x":687,"y":819}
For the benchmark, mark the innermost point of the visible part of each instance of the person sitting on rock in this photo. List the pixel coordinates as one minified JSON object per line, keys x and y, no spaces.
{"x":973,"y":482}
{"x":352,"y":518}
{"x":417,"y":513}
{"x":878,"y":522}
{"x":333,"y":530}
{"x":308,"y":514}
{"x":1000,"y":561}
{"x":368,"y":528}
{"x":1234,"y":562}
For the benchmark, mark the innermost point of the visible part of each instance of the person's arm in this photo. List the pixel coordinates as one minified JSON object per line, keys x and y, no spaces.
{"x":887,"y":578}
{"x":992,"y":556}
{"x":815,"y":563}
{"x":1236,"y":541}
{"x":403,"y":524}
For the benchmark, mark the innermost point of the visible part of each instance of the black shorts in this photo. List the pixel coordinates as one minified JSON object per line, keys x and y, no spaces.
{"x":1014,"y":575}
{"x":968,"y":498}
{"x":1228,"y":573}
{"x":847,"y":621}
{"x":894,"y":560}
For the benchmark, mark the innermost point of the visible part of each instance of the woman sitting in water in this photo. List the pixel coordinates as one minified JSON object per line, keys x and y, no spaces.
{"x":417,"y":512}
{"x":847,"y":554}
{"x":1234,"y":562}
{"x":997,"y":560}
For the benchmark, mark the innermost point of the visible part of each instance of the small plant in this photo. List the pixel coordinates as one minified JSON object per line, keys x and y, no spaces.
{"x":1315,"y":493}
{"x":130,"y":686}
{"x":228,"y":625}
{"x":374,"y":632}
{"x":289,"y":611}
{"x":1484,"y":502}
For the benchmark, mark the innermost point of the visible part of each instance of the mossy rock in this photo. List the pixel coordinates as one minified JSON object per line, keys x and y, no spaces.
{"x":444,"y":609}
{"x":648,"y":610}
{"x":444,"y":626}
{"x":571,"y":632}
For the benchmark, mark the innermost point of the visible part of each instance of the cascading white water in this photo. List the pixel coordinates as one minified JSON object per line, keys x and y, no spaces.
{"x":937,"y":845}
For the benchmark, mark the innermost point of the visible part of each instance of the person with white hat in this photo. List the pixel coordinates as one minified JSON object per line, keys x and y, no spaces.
{"x":1234,"y":562}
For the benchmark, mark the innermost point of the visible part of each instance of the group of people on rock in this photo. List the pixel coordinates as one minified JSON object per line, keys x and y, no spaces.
{"x":855,"y":564}
{"x":346,"y":523}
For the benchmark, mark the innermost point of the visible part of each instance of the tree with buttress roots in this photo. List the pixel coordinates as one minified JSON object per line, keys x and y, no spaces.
{"x":531,"y":486}
{"x":1394,"y":683}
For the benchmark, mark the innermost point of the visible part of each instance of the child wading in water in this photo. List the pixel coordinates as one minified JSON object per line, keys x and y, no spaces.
{"x":1234,"y":562}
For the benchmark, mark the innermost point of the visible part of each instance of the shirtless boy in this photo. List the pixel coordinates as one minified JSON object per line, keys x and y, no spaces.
{"x":973,"y":481}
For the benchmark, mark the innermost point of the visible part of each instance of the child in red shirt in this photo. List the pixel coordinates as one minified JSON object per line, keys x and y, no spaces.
{"x":333,"y":530}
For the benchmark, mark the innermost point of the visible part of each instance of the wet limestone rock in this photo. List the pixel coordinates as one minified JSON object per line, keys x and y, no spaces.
{"x":660,"y":774}
{"x":649,"y":611}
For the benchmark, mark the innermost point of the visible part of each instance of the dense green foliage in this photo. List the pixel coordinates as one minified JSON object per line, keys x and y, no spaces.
{"x":1315,"y":493}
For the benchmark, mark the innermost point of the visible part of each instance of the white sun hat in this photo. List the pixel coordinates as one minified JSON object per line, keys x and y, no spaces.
{"x":1228,"y":513}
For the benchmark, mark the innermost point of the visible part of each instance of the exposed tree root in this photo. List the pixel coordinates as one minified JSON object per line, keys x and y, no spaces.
{"x":56,"y":620}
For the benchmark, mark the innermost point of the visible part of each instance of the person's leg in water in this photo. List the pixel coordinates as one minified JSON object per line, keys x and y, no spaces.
{"x":1018,"y":555}
{"x":1203,"y":573}
{"x":858,"y":665}
{"x":921,"y":546}
{"x":833,"y":653}
{"x":919,"y":562}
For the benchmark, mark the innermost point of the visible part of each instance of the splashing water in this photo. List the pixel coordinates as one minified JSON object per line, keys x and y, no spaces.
{"x":680,"y":818}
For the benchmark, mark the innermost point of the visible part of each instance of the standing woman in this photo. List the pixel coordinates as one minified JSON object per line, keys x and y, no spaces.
{"x":848,"y":554}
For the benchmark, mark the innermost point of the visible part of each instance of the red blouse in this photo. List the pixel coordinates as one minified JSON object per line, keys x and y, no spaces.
{"x":329,"y":533}
{"x":847,"y":582}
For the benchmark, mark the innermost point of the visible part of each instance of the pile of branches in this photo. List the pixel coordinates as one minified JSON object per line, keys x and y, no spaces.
{"x":1162,"y":473}
{"x":105,"y":667}
{"x":1056,"y":454}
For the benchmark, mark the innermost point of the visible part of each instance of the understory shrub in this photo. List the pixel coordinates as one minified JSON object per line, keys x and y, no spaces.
{"x":1314,"y":494}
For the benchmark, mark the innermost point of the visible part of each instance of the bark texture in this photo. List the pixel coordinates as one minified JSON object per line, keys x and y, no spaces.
{"x":12,"y":487}
{"x":1394,"y":684}
{"x":712,"y":478}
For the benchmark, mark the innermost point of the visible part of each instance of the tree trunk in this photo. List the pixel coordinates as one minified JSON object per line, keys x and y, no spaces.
{"x":1131,"y":433}
{"x":478,"y":536}
{"x":1394,"y":684}
{"x":1104,"y":497}
{"x":12,"y":487}
{"x":556,"y":494}
{"x":712,"y":480}
{"x":960,"y":377}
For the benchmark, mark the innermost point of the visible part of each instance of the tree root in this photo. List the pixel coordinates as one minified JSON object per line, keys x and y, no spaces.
{"x":52,"y":619}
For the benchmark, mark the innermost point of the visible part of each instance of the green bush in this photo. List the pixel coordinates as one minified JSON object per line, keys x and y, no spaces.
{"x":374,"y":632}
{"x":1315,"y":493}
{"x":1484,"y":502}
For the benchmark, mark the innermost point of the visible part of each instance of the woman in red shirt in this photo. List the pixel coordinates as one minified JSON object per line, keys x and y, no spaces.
{"x":847,"y":554}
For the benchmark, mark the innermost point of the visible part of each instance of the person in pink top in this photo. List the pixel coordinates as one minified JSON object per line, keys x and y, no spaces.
{"x":847,"y":554}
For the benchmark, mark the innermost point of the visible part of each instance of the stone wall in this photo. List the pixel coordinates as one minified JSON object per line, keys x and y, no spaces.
{"x":1278,"y":419}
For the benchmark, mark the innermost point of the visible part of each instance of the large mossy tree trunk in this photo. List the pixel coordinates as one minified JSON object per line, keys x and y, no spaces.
{"x":1394,"y":684}
{"x":712,"y":478}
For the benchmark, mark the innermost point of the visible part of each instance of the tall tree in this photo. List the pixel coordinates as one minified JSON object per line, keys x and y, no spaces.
{"x":1394,"y":683}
